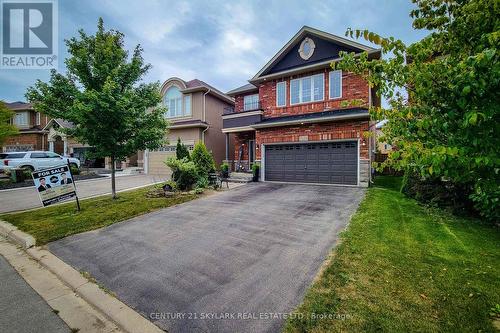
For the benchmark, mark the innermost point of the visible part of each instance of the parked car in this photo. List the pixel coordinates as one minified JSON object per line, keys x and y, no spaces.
{"x":34,"y":160}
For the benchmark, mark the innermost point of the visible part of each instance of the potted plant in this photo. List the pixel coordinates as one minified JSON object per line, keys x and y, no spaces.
{"x":224,"y":168}
{"x":255,"y":172}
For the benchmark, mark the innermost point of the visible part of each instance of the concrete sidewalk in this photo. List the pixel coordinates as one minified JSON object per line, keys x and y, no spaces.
{"x":22,"y":309}
{"x":35,"y":300}
{"x":27,"y":197}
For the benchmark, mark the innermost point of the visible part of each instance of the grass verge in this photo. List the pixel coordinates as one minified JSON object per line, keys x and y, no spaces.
{"x":402,"y":267}
{"x":52,"y":223}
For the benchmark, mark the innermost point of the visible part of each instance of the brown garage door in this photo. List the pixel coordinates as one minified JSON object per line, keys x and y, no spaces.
{"x":326,"y":163}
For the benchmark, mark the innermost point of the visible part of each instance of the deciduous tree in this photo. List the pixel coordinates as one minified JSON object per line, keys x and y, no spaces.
{"x":446,"y":125}
{"x":102,"y":95}
{"x":6,"y":128}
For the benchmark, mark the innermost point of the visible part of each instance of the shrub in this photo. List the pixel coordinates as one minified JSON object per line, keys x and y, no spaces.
{"x":224,"y":167}
{"x":255,"y":171}
{"x":181,"y":150}
{"x":183,"y":173}
{"x":202,"y":182}
{"x":203,"y":160}
{"x":75,"y":171}
{"x":437,"y":192}
{"x":27,"y":174}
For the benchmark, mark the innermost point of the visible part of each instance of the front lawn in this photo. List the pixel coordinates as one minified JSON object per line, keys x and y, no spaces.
{"x":52,"y":223}
{"x":402,"y":267}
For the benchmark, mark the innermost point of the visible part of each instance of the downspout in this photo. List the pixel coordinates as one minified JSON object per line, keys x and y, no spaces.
{"x":205,"y":115}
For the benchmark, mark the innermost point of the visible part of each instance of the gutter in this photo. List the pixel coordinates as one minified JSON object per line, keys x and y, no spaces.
{"x":205,"y":115}
{"x":192,"y":125}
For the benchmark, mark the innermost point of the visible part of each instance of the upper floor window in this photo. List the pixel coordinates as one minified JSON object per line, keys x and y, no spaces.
{"x":281,"y":93}
{"x":177,"y":104}
{"x":251,"y":102}
{"x":336,"y":84}
{"x":38,"y":120}
{"x":21,"y":119}
{"x":307,"y":89}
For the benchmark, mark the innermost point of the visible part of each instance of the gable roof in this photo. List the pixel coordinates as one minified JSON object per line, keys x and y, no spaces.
{"x":198,"y":85}
{"x":18,"y":106}
{"x":61,"y":122}
{"x":297,"y":39}
{"x":245,"y":88}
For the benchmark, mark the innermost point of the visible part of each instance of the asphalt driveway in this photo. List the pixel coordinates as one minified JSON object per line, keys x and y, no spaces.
{"x":246,"y":255}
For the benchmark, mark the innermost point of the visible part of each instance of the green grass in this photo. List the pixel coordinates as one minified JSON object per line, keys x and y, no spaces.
{"x":402,"y":267}
{"x":52,"y":223}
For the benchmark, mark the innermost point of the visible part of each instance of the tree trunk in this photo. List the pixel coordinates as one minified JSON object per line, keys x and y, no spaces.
{"x":113,"y":171}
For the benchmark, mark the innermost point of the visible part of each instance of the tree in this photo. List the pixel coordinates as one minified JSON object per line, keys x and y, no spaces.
{"x":446,"y":125}
{"x":181,"y":150}
{"x":102,"y":96}
{"x":6,"y":128}
{"x":203,"y":160}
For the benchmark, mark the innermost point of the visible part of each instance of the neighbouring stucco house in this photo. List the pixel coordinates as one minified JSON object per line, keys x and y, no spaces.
{"x":292,"y":118}
{"x":194,"y":111}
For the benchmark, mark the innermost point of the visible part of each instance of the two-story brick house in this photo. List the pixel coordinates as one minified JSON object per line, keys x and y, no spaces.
{"x":292,"y":116}
{"x":30,"y":124}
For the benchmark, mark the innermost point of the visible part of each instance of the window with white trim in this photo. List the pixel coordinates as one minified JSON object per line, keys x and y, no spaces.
{"x":187,"y":105}
{"x":251,"y":102}
{"x":177,"y":104}
{"x":281,"y":93}
{"x":21,"y":119}
{"x":307,"y":89}
{"x":38,"y":119}
{"x":335,"y":84}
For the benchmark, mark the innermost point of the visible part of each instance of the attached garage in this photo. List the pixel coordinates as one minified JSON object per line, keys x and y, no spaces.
{"x":156,"y":161}
{"x":322,"y":163}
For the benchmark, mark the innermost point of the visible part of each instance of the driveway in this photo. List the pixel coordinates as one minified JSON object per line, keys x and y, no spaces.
{"x":27,"y":197}
{"x":248,"y":254}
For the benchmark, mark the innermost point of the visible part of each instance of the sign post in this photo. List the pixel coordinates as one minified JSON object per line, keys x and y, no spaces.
{"x":55,"y":185}
{"x":74,"y":185}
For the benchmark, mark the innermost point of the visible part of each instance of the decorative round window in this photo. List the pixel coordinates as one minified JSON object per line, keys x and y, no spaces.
{"x":306,"y":49}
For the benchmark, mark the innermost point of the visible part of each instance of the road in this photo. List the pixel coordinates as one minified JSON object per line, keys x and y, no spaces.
{"x":27,"y":197}
{"x":241,"y":254}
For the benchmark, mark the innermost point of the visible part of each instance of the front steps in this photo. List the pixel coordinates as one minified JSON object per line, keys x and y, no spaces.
{"x":240,"y":177}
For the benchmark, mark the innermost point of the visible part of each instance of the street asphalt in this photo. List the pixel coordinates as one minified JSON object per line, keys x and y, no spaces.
{"x":22,"y":309}
{"x":237,"y":261}
{"x":27,"y":197}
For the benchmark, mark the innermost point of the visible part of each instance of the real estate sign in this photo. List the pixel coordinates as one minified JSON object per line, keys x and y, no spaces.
{"x":54,"y":185}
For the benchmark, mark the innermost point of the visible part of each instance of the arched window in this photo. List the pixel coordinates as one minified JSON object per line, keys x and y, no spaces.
{"x":177,"y":104}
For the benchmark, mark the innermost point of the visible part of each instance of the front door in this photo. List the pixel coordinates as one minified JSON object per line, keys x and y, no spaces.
{"x":251,"y":152}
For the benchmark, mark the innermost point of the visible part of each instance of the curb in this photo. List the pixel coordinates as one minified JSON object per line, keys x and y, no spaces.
{"x":112,"y":308}
{"x":118,"y":312}
{"x":15,"y":235}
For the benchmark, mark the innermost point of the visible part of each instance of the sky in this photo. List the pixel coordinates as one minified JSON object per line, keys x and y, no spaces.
{"x":223,"y":43}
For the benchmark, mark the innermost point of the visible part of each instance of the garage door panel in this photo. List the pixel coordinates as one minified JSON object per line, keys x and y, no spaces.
{"x":330,"y":163}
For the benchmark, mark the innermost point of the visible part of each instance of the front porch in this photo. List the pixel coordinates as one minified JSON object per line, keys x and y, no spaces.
{"x":244,"y":154}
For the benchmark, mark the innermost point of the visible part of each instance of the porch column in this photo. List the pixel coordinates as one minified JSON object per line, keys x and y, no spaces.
{"x":65,"y":149}
{"x":51,"y":145}
{"x":227,"y":146}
